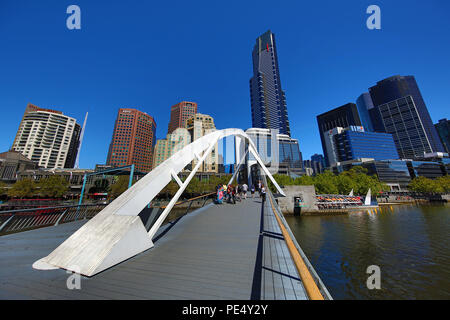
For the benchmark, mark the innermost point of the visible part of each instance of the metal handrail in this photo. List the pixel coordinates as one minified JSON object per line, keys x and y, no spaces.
{"x":314,"y":286}
{"x":19,"y":220}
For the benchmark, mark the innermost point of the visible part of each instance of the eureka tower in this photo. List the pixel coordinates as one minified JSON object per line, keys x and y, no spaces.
{"x":268,"y":100}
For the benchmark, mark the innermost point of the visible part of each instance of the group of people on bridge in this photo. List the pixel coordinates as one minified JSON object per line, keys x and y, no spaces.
{"x":233,"y":193}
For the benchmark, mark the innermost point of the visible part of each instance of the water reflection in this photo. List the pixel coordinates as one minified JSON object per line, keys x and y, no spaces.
{"x":410,"y":244}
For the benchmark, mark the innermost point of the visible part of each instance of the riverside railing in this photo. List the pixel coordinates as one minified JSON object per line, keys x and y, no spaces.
{"x":19,"y":220}
{"x":13,"y":221}
{"x":314,"y":286}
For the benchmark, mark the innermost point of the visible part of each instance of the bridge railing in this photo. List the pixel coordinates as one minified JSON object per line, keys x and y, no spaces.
{"x":19,"y":220}
{"x":314,"y":286}
{"x":150,"y":214}
{"x":13,"y":221}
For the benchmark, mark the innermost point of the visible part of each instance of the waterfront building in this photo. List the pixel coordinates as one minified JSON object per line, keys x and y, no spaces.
{"x":354,"y":143}
{"x":427,"y":169}
{"x":389,"y":97}
{"x":401,"y":118}
{"x":180,"y":113}
{"x":133,"y":140}
{"x":443,"y":130}
{"x":395,"y":173}
{"x":268,"y":100}
{"x":343,"y":117}
{"x":173,"y":143}
{"x":319,"y":159}
{"x":48,"y":137}
{"x":281,"y":155}
{"x":199,"y":125}
{"x":364,"y":104}
{"x":12,"y":162}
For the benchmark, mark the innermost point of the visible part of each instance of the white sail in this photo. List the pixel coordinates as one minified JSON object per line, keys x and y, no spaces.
{"x":368,"y":200}
{"x":351,"y":193}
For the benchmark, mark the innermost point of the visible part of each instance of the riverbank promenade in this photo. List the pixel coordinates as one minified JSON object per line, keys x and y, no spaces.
{"x":225,"y":251}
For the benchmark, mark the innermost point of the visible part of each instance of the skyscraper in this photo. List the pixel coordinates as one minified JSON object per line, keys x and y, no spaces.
{"x":48,"y":137}
{"x":268,"y":100}
{"x":133,"y":140}
{"x":343,"y":116}
{"x":401,"y":118}
{"x":389,"y":92}
{"x":179,"y":113}
{"x":443,"y":130}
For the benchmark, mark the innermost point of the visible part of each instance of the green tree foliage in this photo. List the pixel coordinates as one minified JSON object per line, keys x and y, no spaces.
{"x":3,"y":189}
{"x":119,"y":186}
{"x":25,"y":188}
{"x":329,"y":183}
{"x":53,"y":187}
{"x":425,"y":185}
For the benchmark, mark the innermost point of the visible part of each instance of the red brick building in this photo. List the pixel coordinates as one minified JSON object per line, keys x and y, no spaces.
{"x":179,"y":114}
{"x":133,"y":140}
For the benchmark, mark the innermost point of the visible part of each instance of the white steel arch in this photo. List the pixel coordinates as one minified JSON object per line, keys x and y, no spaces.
{"x":117,"y":232}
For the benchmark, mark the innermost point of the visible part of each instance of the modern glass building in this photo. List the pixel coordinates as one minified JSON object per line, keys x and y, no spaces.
{"x":281,"y":155}
{"x":427,"y":169}
{"x":401,"y":118}
{"x":396,"y":87}
{"x":364,"y":104}
{"x":268,"y":100}
{"x":443,"y":130}
{"x":354,"y":144}
{"x":343,"y":116}
{"x":394,"y":173}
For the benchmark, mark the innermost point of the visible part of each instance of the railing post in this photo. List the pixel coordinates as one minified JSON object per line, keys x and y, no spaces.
{"x":130,"y":183}
{"x":59,"y":219}
{"x":6,"y":222}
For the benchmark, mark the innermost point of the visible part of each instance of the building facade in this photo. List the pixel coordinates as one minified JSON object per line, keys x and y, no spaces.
{"x":364,"y":104}
{"x":343,"y":117}
{"x":268,"y":100}
{"x":401,"y":118}
{"x":281,"y":155}
{"x":133,"y":140}
{"x":399,"y":87}
{"x":174,"y":142}
{"x":11,"y":163}
{"x":355,"y":143}
{"x":443,"y":130}
{"x":199,"y":125}
{"x":180,"y":113}
{"x":48,"y":137}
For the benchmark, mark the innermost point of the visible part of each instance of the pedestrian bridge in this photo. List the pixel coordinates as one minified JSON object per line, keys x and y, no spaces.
{"x":241,"y":251}
{"x":217,"y":252}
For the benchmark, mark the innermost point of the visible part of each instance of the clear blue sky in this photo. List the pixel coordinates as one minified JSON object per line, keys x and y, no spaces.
{"x":151,"y":55}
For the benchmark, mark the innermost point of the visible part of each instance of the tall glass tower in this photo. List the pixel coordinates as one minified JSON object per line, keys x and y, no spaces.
{"x":268,"y":100}
{"x":389,"y":92}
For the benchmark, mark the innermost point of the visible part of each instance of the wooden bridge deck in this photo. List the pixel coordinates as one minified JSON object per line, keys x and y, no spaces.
{"x":223,"y":251}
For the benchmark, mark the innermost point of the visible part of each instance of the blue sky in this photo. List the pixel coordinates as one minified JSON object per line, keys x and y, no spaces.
{"x":151,"y":55}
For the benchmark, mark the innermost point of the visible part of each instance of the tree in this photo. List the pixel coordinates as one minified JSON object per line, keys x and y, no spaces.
{"x":425,"y":185}
{"x":25,"y":188}
{"x":120,"y":186}
{"x":3,"y":189}
{"x":53,"y":187}
{"x":325,"y":183}
{"x":444,"y":182}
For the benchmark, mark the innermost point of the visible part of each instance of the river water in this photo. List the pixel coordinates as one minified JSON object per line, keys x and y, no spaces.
{"x":410,"y":244}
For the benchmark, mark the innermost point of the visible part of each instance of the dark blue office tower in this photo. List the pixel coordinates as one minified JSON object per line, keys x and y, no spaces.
{"x":268,"y":100}
{"x":401,"y":100}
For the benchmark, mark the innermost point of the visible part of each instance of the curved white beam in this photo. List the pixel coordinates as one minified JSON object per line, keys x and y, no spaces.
{"x":117,"y":233}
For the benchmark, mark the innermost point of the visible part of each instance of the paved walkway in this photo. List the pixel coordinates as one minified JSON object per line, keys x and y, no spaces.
{"x":217,"y":252}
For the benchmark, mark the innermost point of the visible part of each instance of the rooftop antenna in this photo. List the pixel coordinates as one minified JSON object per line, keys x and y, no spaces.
{"x":77,"y":161}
